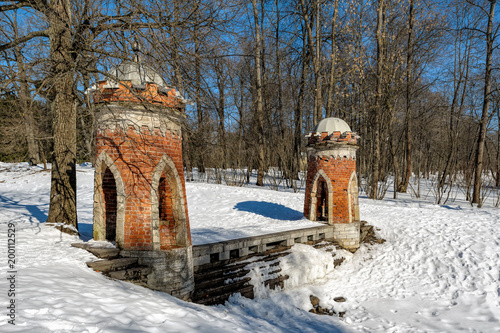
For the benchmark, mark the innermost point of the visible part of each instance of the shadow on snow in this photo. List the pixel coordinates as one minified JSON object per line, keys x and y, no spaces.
{"x":270,"y":210}
{"x":35,"y":214}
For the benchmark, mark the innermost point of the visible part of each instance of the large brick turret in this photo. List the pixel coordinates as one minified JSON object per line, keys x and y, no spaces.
{"x":139,"y":197}
{"x":331,"y":185}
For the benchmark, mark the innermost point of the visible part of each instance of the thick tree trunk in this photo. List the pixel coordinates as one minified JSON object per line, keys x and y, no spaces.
{"x":63,"y":184}
{"x":476,"y":195}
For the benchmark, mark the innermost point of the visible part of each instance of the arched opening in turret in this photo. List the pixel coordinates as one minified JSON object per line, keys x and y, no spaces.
{"x":169,"y":220}
{"x":109,"y":201}
{"x":322,"y":209}
{"x":110,"y":204}
{"x":168,"y":213}
{"x":321,"y":198}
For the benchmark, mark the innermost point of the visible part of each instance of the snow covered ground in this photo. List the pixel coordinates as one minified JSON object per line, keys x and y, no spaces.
{"x":438,"y":271}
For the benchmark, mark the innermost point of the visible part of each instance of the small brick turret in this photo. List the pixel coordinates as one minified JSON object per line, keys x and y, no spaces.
{"x":331,"y":186}
{"x":139,"y":196}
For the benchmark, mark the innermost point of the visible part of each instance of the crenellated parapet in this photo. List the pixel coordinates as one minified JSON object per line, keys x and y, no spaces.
{"x":126,"y":92}
{"x":325,"y":138}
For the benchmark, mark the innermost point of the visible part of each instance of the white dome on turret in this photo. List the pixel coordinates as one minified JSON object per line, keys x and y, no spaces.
{"x":137,"y":74}
{"x":331,"y":125}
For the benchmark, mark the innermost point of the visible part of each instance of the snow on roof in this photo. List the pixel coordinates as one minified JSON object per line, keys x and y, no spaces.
{"x":331,"y":125}
{"x":138,"y":74}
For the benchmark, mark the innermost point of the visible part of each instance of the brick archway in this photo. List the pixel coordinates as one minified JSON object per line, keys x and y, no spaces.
{"x":313,"y":207}
{"x":166,"y":185}
{"x":105,"y":163}
{"x":352,"y":198}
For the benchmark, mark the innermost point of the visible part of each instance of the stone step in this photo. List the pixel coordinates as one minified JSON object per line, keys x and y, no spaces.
{"x":220,"y":290}
{"x":275,"y":256}
{"x":217,"y":264}
{"x":106,"y":265}
{"x":219,"y":281}
{"x":222,"y":263}
{"x":104,"y":253}
{"x":81,"y":245}
{"x":210,"y":286}
{"x":218,"y":295}
{"x":100,"y":252}
{"x":134,"y":273}
{"x":201,"y":284}
{"x":220,"y":271}
{"x":326,"y":244}
{"x":246,"y":291}
{"x":217,"y":273}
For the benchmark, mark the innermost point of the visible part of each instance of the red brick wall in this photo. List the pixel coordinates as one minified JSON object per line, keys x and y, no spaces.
{"x":136,"y":154}
{"x":339,"y":171}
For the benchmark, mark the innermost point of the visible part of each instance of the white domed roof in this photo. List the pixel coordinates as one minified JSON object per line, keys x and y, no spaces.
{"x":331,"y":125}
{"x":137,"y":74}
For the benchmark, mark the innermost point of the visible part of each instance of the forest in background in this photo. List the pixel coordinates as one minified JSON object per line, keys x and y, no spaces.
{"x":418,"y":80}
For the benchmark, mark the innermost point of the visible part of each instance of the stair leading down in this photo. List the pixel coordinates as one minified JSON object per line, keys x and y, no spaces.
{"x":111,"y":264}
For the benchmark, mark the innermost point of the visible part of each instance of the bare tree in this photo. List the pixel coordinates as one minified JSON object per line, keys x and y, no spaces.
{"x":20,"y":81}
{"x":490,"y":38}
{"x":333,"y":61}
{"x":376,"y":111}
{"x":72,"y":40}
{"x":403,"y":186}
{"x":259,"y":108}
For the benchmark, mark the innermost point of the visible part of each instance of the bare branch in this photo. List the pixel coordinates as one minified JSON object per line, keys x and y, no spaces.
{"x":472,"y":3}
{"x":15,"y":42}
{"x":17,"y":5}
